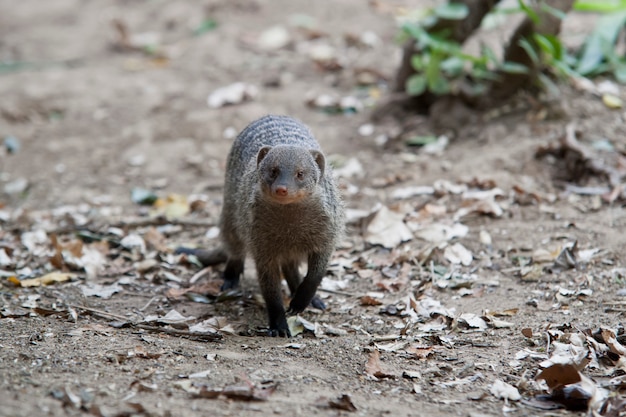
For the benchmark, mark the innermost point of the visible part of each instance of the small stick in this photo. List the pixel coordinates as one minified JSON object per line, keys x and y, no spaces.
{"x":165,"y":330}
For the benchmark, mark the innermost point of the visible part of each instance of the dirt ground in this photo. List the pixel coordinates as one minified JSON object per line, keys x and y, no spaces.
{"x":95,"y":118}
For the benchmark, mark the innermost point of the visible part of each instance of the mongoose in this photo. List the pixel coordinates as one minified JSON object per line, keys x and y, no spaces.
{"x":281,"y":206}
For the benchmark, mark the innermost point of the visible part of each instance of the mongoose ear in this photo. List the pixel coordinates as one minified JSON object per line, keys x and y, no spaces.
{"x":319,"y":160}
{"x":262,"y":152}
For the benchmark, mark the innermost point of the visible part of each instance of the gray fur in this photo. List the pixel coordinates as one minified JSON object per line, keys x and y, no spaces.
{"x":281,"y":206}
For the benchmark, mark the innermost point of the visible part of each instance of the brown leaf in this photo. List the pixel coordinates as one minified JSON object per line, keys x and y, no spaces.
{"x":420,"y":352}
{"x":211,"y":288}
{"x":527,"y":332}
{"x":609,"y":338}
{"x":373,"y":368}
{"x":243,"y":391}
{"x":368,"y":300}
{"x":47,"y":279}
{"x":342,"y":403}
{"x":559,"y":375}
{"x":155,"y":240}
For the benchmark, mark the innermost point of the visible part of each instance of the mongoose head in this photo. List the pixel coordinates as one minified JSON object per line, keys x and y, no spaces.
{"x":288,"y":174}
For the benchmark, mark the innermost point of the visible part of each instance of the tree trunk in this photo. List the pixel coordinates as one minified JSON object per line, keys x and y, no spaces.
{"x":507,"y":84}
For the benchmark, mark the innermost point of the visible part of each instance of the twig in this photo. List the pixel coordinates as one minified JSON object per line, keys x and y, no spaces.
{"x":100,"y":313}
{"x":176,"y":332}
{"x":345,"y":294}
{"x":160,"y":221}
{"x":148,"y":303}
{"x":156,"y":329}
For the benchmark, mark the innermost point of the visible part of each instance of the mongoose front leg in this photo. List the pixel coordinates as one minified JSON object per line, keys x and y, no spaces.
{"x":269,"y":281}
{"x":292,"y":276}
{"x":305,"y":293}
{"x":232,"y":272}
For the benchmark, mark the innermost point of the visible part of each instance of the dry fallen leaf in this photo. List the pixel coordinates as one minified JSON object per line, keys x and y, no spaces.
{"x":211,"y":288}
{"x":51,"y":278}
{"x":608,"y":336}
{"x":458,"y":254}
{"x":373,"y":368}
{"x":232,"y":94}
{"x":174,"y":206}
{"x":245,"y":390}
{"x":368,"y":300}
{"x":570,"y":388}
{"x":387,"y":229}
{"x":103,"y":291}
{"x":420,"y":352}
{"x":439,"y":232}
{"x":342,"y":403}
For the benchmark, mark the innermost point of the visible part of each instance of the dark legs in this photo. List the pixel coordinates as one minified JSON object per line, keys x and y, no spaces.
{"x":292,"y":276}
{"x":305,"y":293}
{"x":232,"y":272}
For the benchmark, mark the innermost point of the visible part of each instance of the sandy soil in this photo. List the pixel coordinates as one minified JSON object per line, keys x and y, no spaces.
{"x":95,"y":121}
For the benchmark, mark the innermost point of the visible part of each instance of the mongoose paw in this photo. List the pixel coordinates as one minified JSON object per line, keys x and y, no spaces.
{"x":279,"y":333}
{"x":317,"y":303}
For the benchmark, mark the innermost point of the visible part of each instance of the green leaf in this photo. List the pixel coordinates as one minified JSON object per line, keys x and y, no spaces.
{"x":143,"y":196}
{"x":550,"y":45}
{"x":207,"y":25}
{"x":488,"y":53}
{"x":417,"y":62}
{"x":514,"y":68}
{"x":532,"y":15}
{"x":530,"y":50}
{"x":453,"y":66}
{"x":602,"y":6}
{"x":439,"y":86}
{"x":605,"y":32}
{"x":548,"y":85}
{"x":421,"y":140}
{"x":433,"y":74}
{"x":452,"y":11}
{"x":416,"y":84}
{"x":620,"y":73}
{"x":484,"y":74}
{"x":553,"y":11}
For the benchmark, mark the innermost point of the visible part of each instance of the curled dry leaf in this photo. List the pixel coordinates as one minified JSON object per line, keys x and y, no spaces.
{"x":438,"y":232}
{"x":174,"y":206}
{"x":387,"y":228}
{"x":373,"y":368}
{"x":172,"y":317}
{"x":245,"y":390}
{"x":472,"y":321}
{"x":48,"y":279}
{"x":570,"y":388}
{"x":568,"y":354}
{"x":420,"y":352}
{"x":103,"y":291}
{"x":213,"y":325}
{"x":608,"y":336}
{"x":458,"y":254}
{"x":342,"y":403}
{"x":211,"y":288}
{"x":368,"y":300}
{"x":155,"y":240}
{"x":232,"y":94}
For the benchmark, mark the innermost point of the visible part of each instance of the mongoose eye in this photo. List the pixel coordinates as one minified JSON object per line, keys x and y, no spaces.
{"x":274,"y":172}
{"x":300,"y":175}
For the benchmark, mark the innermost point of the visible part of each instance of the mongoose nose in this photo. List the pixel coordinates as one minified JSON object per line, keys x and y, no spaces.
{"x":281,"y":191}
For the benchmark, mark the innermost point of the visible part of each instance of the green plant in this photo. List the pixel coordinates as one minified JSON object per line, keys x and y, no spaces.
{"x":441,"y":63}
